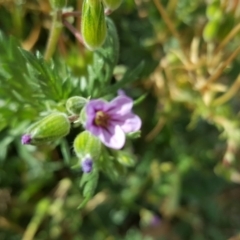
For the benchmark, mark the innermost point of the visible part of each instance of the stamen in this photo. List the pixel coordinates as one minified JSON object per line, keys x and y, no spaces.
{"x":102,"y":119}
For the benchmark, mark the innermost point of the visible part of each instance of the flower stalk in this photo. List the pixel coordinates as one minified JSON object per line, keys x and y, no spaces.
{"x":54,"y":34}
{"x":229,"y":94}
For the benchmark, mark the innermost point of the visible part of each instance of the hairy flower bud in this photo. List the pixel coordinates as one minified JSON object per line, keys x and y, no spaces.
{"x":87,"y":144}
{"x":83,"y":116}
{"x":75,"y":104}
{"x":50,"y":128}
{"x":93,"y":25}
{"x":112,"y":4}
{"x":58,"y":4}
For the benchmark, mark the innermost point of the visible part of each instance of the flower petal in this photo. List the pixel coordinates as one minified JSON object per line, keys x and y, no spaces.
{"x":120,"y":105}
{"x":95,"y":105}
{"x":95,"y":130}
{"x":87,"y":164}
{"x":129,"y":122}
{"x":26,"y":139}
{"x":112,"y":137}
{"x":91,"y":108}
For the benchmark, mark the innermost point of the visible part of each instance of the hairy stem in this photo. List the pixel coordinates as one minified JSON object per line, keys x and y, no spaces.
{"x":54,"y":34}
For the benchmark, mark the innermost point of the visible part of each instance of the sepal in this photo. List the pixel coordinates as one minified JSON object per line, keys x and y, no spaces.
{"x":112,"y":4}
{"x":75,"y":104}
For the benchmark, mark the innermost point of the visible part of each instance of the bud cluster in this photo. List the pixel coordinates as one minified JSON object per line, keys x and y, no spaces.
{"x":98,"y":117}
{"x":220,"y":21}
{"x":57,"y":125}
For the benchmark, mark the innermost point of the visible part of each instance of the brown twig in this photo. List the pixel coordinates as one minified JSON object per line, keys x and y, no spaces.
{"x":71,"y":14}
{"x":218,"y":73}
{"x":155,"y":131}
{"x":73,"y":30}
{"x":169,"y":24}
{"x":226,"y":40}
{"x":73,"y":118}
{"x":229,"y":94}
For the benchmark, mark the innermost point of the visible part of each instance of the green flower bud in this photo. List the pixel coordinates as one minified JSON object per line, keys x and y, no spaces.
{"x":211,"y":30}
{"x":83,"y":116}
{"x":214,"y":11}
{"x":93,"y":25}
{"x":74,"y":105}
{"x":112,"y":4}
{"x":50,"y":128}
{"x":85,"y":144}
{"x":58,"y":4}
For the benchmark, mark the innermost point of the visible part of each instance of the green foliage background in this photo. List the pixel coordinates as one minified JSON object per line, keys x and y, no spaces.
{"x":181,"y":59}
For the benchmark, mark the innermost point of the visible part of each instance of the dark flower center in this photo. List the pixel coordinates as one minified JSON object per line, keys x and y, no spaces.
{"x":102,"y":119}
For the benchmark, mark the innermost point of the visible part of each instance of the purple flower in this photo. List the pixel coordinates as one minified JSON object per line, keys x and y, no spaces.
{"x":26,"y":139}
{"x":155,"y":221}
{"x":109,"y":121}
{"x":87,"y":164}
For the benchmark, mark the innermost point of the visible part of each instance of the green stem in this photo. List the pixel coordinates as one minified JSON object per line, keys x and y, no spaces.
{"x":55,"y":32}
{"x":17,"y":17}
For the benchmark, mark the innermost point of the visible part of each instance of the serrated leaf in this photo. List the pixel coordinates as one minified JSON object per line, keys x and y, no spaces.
{"x":88,"y":185}
{"x":111,"y":167}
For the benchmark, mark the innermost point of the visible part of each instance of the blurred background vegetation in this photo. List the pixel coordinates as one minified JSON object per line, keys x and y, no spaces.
{"x":185,"y":181}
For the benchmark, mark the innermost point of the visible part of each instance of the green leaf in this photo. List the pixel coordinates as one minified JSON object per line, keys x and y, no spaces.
{"x":110,"y":166}
{"x":129,"y":77}
{"x":41,"y":80}
{"x":88,"y":185}
{"x":134,"y":135}
{"x":126,"y":158}
{"x":140,"y":99}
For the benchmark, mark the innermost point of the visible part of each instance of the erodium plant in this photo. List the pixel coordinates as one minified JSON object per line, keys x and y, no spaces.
{"x":104,"y":125}
{"x":128,"y":110}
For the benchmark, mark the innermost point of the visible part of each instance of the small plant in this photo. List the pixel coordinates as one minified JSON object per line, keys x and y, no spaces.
{"x":119,"y":120}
